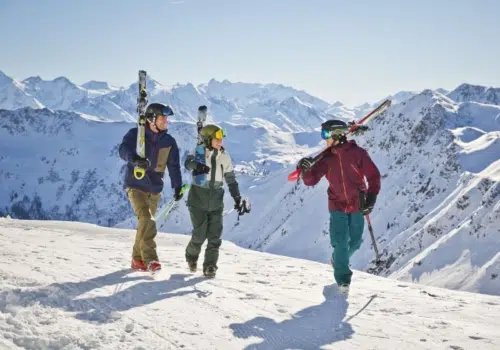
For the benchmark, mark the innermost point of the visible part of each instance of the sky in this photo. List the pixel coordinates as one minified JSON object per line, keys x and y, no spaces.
{"x":350,"y":51}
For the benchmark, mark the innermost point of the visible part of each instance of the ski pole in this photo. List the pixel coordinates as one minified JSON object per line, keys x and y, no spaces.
{"x":370,"y":228}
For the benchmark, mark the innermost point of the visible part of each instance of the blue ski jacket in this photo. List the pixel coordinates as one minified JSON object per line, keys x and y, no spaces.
{"x":162,"y":152}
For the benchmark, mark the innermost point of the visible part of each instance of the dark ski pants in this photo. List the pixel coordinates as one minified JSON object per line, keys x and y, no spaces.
{"x":144,"y":205}
{"x":207,"y":225}
{"x":346,"y":232}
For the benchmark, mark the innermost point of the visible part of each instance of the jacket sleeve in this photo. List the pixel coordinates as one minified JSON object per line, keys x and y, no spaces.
{"x":312,"y":176}
{"x":230,"y":177}
{"x":371,"y":172}
{"x":127,"y":147}
{"x":174,"y":166}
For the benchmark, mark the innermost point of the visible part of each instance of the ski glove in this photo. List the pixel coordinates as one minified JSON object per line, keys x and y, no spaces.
{"x":241,"y":206}
{"x":367,"y":202}
{"x":305,"y":163}
{"x":201,"y":169}
{"x":140,"y":162}
{"x":178,"y":194}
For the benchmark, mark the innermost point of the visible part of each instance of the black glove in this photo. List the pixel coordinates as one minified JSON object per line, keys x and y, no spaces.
{"x":358,"y":130}
{"x":140,"y":162}
{"x":305,"y":163}
{"x":241,"y":206}
{"x":177,"y":194}
{"x":366,"y":202}
{"x":201,"y":169}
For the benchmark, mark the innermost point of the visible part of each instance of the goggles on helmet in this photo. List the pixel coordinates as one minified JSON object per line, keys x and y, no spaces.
{"x":220,"y":134}
{"x":167,"y":111}
{"x":326,"y":134}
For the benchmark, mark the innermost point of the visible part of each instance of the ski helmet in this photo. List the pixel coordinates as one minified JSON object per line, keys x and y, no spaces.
{"x":156,"y":109}
{"x":210,"y":132}
{"x":333,"y":128}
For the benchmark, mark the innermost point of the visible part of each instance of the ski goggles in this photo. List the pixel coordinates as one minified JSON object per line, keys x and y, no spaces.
{"x":220,"y":134}
{"x":167,"y":111}
{"x":326,"y":134}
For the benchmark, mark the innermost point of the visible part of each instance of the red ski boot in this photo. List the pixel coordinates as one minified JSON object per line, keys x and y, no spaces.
{"x":154,"y":267}
{"x":138,"y":265}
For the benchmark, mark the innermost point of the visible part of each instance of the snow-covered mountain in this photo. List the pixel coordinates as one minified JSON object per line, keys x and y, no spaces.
{"x":13,"y":94}
{"x":438,"y":212}
{"x":476,"y":93}
{"x":241,"y":103}
{"x":59,"y":297}
{"x":65,"y":166}
{"x":436,"y":217}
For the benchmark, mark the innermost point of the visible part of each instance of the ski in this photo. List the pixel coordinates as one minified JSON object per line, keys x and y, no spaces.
{"x":142,"y":102}
{"x":170,"y":205}
{"x":295,"y":175}
{"x":199,"y":154}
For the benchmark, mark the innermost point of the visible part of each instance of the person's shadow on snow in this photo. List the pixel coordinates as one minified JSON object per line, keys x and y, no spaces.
{"x":309,"y":328}
{"x":101,"y":309}
{"x":134,"y":296}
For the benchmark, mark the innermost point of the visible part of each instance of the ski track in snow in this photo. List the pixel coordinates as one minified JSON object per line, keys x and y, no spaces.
{"x":69,"y":286}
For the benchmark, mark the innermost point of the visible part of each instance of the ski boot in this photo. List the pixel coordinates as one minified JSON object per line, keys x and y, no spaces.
{"x":344,"y":290}
{"x":154,"y":267}
{"x":138,"y":265}
{"x":192,"y":266}
{"x":209,"y":271}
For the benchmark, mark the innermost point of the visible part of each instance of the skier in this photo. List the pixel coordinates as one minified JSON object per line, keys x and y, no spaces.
{"x":144,"y":194}
{"x":205,"y":199}
{"x":344,"y":166}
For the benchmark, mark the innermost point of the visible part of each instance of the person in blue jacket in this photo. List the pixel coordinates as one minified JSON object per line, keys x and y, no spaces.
{"x":161,"y":153}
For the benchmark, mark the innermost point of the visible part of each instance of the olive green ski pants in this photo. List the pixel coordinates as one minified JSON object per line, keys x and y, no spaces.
{"x":144,"y":205}
{"x":207,"y":225}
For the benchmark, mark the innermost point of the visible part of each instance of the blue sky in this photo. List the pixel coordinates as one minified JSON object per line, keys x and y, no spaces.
{"x":353,"y":51}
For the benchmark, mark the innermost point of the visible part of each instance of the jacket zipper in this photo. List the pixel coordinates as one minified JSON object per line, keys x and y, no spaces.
{"x":155,"y":153}
{"x":343,"y":182}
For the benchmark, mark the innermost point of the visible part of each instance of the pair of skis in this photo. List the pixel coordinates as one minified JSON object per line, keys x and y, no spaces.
{"x":295,"y":175}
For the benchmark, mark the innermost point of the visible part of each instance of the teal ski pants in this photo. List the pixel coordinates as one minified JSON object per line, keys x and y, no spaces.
{"x":346,"y":231}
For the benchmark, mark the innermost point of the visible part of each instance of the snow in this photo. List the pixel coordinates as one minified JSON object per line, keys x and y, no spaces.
{"x":59,"y":297}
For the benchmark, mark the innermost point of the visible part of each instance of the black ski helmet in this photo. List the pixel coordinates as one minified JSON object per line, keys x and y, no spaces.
{"x":334,"y":128}
{"x":156,"y":109}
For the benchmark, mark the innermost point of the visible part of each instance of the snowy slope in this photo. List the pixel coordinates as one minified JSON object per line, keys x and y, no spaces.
{"x":439,"y":166}
{"x":88,"y":298}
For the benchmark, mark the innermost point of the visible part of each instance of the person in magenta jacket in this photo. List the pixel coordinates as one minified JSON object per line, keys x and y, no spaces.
{"x":345,"y":165}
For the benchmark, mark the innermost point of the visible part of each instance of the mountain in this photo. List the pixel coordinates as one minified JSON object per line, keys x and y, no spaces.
{"x":99,"y":86}
{"x":57,"y":94}
{"x":65,"y":166}
{"x":13,"y":96}
{"x":59,"y":297}
{"x":274,"y":104}
{"x":438,"y":209}
{"x":476,"y":93}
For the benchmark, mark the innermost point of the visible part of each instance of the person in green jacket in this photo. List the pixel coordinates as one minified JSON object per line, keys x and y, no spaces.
{"x":205,"y":198}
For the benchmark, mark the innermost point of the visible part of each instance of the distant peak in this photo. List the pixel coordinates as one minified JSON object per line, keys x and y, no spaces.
{"x":4,"y":78}
{"x":62,"y":80}
{"x":96,"y":85}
